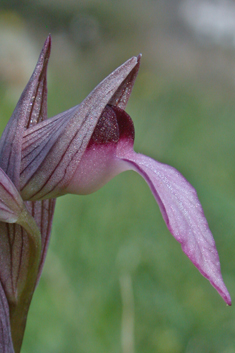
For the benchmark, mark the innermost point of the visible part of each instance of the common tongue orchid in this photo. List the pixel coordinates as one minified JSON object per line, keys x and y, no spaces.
{"x":77,"y":152}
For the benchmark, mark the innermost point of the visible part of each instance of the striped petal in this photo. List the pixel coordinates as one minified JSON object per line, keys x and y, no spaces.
{"x":52,"y":150}
{"x":6,"y":345}
{"x":21,"y":253}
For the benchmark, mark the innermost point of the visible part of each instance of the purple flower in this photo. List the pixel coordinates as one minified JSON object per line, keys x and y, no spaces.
{"x":77,"y":152}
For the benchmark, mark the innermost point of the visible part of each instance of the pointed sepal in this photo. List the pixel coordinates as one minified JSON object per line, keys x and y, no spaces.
{"x":31,"y":108}
{"x":52,"y":150}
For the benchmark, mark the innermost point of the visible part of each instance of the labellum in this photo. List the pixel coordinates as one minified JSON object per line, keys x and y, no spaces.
{"x":77,"y":152}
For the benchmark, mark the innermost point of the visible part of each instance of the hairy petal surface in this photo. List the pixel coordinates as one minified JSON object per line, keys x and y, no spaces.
{"x":183,"y":214}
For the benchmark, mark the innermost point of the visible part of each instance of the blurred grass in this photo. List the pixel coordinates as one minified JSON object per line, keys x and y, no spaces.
{"x":117,"y":231}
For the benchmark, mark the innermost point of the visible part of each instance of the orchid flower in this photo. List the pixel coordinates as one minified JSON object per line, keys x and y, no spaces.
{"x":77,"y":152}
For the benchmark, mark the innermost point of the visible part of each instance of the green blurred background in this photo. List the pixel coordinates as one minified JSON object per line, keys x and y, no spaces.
{"x":115,"y":280}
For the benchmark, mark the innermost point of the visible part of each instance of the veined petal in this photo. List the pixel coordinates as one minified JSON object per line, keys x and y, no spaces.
{"x":22,"y":255}
{"x":31,"y":108}
{"x":12,"y":208}
{"x":48,"y":166}
{"x":182,"y":213}
{"x":20,"y":252}
{"x":11,"y":204}
{"x":6,"y":345}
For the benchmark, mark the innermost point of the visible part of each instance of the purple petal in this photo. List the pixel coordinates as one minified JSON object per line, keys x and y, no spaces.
{"x":182,"y":213}
{"x":6,"y":345}
{"x":11,"y":204}
{"x":20,"y":250}
{"x":31,"y":108}
{"x":48,"y":164}
{"x":19,"y":263}
{"x":122,"y":95}
{"x":20,"y":253}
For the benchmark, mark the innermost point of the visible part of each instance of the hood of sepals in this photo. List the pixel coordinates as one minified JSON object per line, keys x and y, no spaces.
{"x":53,"y":149}
{"x":99,"y":164}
